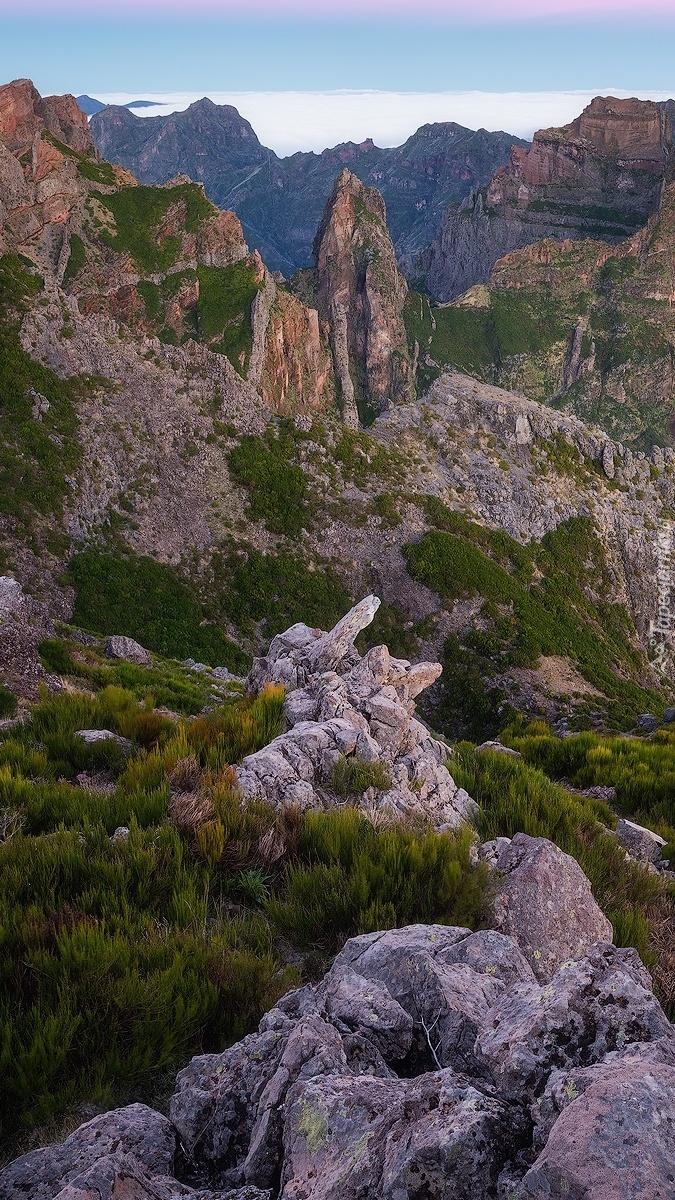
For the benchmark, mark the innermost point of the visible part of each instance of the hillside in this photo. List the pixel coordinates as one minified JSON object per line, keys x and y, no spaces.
{"x":270,"y":575}
{"x":280,"y":200}
{"x":146,"y":343}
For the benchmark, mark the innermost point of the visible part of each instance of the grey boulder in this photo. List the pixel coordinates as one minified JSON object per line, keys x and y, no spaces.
{"x":546,"y":905}
{"x":127,"y":649}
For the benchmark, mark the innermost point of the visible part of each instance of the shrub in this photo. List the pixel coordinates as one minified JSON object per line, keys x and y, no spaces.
{"x":8,"y":703}
{"x":351,"y":777}
{"x":146,"y":600}
{"x":277,"y":488}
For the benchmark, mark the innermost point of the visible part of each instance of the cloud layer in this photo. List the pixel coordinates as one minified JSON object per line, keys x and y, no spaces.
{"x":290,"y":121}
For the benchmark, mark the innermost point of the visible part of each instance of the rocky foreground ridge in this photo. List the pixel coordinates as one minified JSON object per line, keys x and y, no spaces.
{"x":525,"y":1060}
{"x":529,"y":1060}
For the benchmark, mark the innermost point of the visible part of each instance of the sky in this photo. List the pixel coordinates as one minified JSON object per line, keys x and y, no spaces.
{"x":347,"y":69}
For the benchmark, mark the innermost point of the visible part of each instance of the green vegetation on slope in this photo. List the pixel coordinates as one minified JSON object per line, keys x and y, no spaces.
{"x":39,"y":450}
{"x":146,"y":600}
{"x":226,"y":296}
{"x":120,"y":959}
{"x":149,"y":220}
{"x":278,"y":488}
{"x":525,"y":615}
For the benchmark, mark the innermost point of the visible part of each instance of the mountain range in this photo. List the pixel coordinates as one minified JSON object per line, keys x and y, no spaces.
{"x":280,"y":200}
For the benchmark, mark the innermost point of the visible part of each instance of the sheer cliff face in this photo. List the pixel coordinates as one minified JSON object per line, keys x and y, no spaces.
{"x":362,"y":293}
{"x":24,"y":113}
{"x":599,"y":177}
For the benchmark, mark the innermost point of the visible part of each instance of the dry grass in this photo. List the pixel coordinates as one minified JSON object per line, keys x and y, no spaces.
{"x":661,"y":916}
{"x":188,"y":811}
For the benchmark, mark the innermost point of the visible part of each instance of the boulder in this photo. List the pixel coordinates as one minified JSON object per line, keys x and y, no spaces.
{"x":127,"y":649}
{"x":615,"y":1142}
{"x":91,"y":737}
{"x":594,"y":1005}
{"x":148,"y":1138}
{"x":641,"y":843}
{"x":545,"y":904}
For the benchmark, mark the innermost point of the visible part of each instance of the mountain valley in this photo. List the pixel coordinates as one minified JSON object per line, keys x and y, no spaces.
{"x":221,"y":766}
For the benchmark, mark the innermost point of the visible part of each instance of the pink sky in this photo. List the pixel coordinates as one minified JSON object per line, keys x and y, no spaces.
{"x":446,"y":10}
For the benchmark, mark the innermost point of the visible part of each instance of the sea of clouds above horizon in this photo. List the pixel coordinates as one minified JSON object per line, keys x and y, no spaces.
{"x":293,"y":120}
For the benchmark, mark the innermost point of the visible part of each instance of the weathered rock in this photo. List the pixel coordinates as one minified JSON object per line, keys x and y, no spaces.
{"x":616,"y":1142}
{"x":641,"y":843}
{"x":137,"y":1131}
{"x":397,"y":1139}
{"x":127,"y":649}
{"x":594,"y":1005}
{"x":91,"y":737}
{"x":546,"y":905}
{"x":340,"y":705}
{"x":362,"y":292}
{"x":647,"y":723}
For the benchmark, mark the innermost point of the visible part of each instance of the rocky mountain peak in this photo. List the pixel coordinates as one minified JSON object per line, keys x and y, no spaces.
{"x":362,"y":292}
{"x":24,"y":113}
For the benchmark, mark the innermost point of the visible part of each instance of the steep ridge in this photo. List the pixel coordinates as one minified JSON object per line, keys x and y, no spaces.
{"x":584,"y":325}
{"x":280,"y":200}
{"x":600,"y":177}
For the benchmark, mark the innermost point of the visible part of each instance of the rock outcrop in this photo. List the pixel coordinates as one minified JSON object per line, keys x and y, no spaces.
{"x":344,"y":709}
{"x":601,"y":177}
{"x":429,"y":1062}
{"x":361,"y":291}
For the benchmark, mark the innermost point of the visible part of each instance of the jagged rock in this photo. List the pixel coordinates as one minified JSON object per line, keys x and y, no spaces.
{"x":90,"y":737}
{"x":546,"y":904}
{"x":595,"y":1004}
{"x":611,"y":160}
{"x":148,"y":1138}
{"x":427,"y":1064}
{"x":362,"y":292}
{"x":127,"y":649}
{"x":647,"y":723}
{"x":340,"y":705}
{"x":642,"y":844}
{"x":121,"y":834}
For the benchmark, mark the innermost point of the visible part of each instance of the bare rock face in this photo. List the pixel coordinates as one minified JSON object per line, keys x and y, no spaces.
{"x":24,"y":113}
{"x":546,"y":905}
{"x":362,"y":292}
{"x":600,"y":176}
{"x":344,"y":707}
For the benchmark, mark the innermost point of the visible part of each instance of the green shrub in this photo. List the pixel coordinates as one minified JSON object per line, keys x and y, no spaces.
{"x":278,"y":490}
{"x":8,"y":703}
{"x":77,"y":259}
{"x":141,"y":212}
{"x":146,"y":600}
{"x":351,"y":777}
